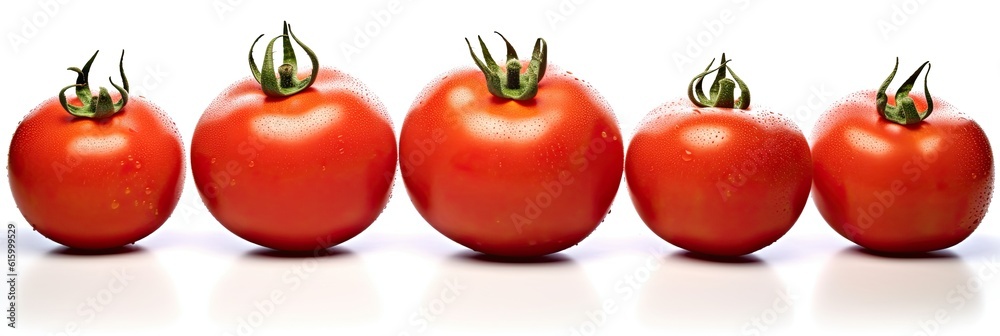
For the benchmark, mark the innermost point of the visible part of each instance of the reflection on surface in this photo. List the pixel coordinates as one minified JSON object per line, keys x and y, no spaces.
{"x":731,"y":297}
{"x":860,"y":291}
{"x":546,"y":295}
{"x":271,"y":291}
{"x":97,"y":145}
{"x":122,"y":290}
{"x":295,"y":127}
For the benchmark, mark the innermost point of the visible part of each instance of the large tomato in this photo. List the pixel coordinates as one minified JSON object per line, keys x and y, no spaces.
{"x":897,"y":180}
{"x":718,"y":177}
{"x":101,"y":176}
{"x":299,"y":165}
{"x":524,"y":162}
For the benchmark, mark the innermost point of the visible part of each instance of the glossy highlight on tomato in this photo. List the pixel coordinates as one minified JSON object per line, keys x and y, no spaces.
{"x":521,"y":162}
{"x":295,"y":165}
{"x":900,"y":179}
{"x":716,"y":176}
{"x":99,"y":172}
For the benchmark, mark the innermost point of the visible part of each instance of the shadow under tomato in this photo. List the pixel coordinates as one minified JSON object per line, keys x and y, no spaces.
{"x":487,"y":258}
{"x":943,"y":254}
{"x":692,"y":293}
{"x":330,"y":252}
{"x":96,"y":292}
{"x":473,"y":292}
{"x":69,"y":251}
{"x":744,"y":259}
{"x":273,"y":291}
{"x":864,"y":291}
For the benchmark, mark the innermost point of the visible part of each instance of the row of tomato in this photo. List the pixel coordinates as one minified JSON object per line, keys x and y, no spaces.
{"x":518,"y":159}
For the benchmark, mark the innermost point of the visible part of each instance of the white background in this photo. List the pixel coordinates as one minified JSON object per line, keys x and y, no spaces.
{"x":194,"y":277}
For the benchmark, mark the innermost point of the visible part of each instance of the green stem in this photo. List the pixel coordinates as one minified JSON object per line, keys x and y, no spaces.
{"x":905,"y":111}
{"x":511,"y":84}
{"x":722,"y":92}
{"x":287,"y":83}
{"x":95,"y":107}
{"x":514,"y":74}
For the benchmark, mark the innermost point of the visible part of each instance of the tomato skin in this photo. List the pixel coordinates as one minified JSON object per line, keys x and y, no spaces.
{"x":718,"y":181}
{"x":96,"y":184}
{"x":511,"y":178}
{"x":901,"y":189}
{"x":299,"y":173}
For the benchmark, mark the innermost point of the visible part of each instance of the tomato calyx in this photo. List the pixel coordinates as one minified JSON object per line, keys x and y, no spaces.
{"x":905,"y":112}
{"x":101,"y":105}
{"x":287,"y":83}
{"x":721,"y":93}
{"x":510,"y":84}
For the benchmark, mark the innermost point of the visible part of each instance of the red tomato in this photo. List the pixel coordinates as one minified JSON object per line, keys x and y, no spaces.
{"x":96,"y":179}
{"x":715,"y":179}
{"x":524,"y":176}
{"x":897,"y":188}
{"x":302,"y":172}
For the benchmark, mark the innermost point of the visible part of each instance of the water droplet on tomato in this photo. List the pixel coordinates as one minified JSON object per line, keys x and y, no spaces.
{"x":250,"y":164}
{"x":156,"y":212}
{"x":130,"y":158}
{"x":213,"y":160}
{"x":114,"y":204}
{"x":138,"y":165}
{"x":150,"y":205}
{"x":232,"y":182}
{"x":135,"y":203}
{"x":324,"y":168}
{"x":149,"y":190}
{"x":687,"y":156}
{"x":127,"y":190}
{"x":604,"y":134}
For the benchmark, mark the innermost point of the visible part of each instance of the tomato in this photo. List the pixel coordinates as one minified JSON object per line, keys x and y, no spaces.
{"x":299,"y":165}
{"x":524,"y":162}
{"x":715,"y":177}
{"x":896,"y":180}
{"x":103,"y":175}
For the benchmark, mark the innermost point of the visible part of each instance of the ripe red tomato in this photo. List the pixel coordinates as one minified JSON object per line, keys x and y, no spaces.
{"x":896,"y":180}
{"x":295,"y":167}
{"x":717,"y":178}
{"x":523,"y":163}
{"x":101,"y":176}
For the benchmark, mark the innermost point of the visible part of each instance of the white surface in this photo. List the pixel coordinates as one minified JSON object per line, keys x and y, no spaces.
{"x":193,"y":277}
